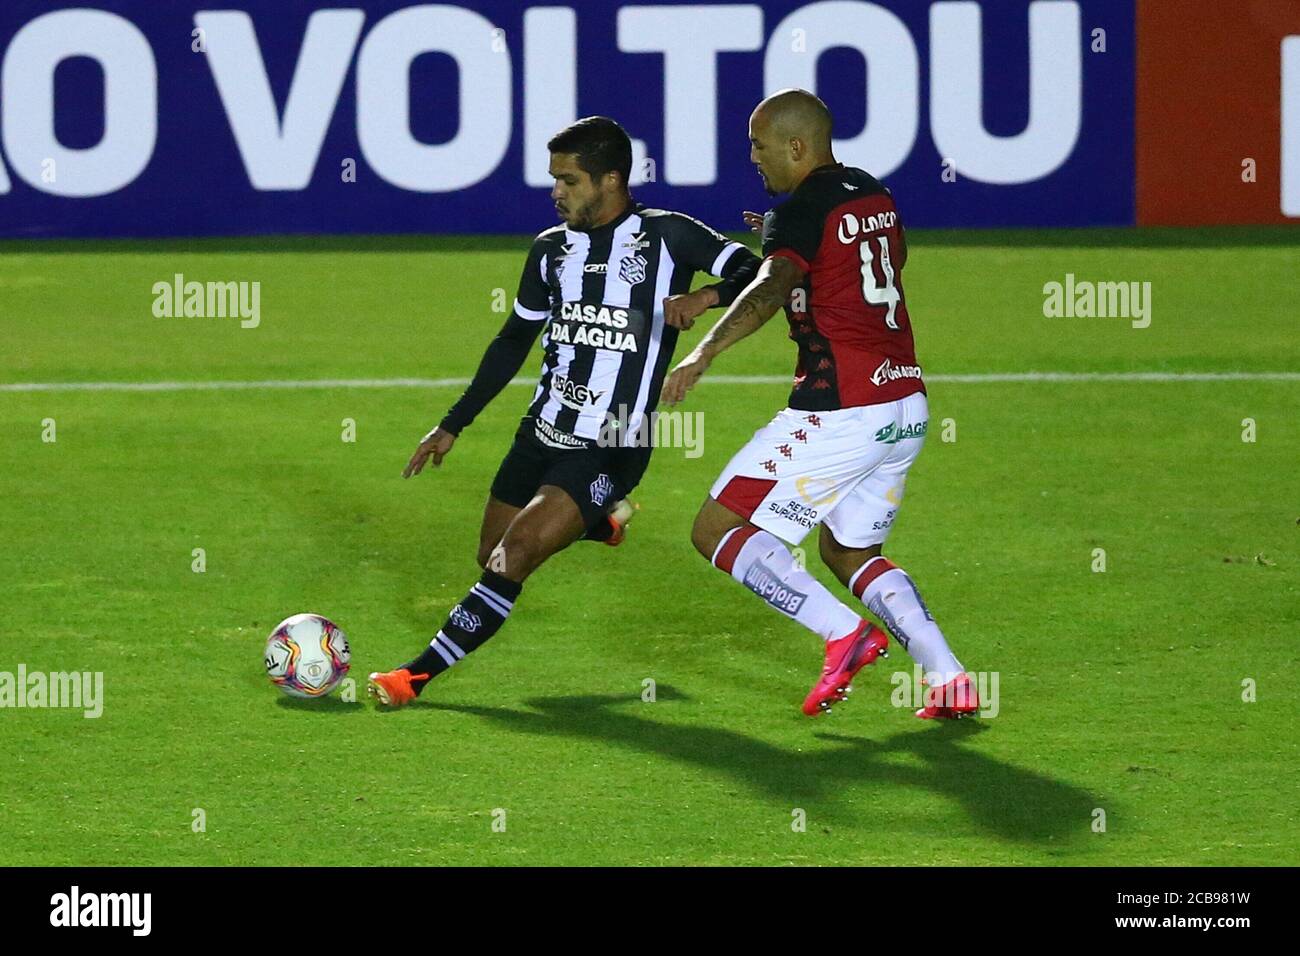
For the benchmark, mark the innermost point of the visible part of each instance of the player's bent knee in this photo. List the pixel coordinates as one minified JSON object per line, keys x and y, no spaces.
{"x":830,"y":546}
{"x":842,"y":559}
{"x":484,"y":555}
{"x":712,"y":524}
{"x":704,"y":538}
{"x":706,"y":532}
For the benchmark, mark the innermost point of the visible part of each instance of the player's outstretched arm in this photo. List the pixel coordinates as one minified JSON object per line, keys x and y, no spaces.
{"x":503,"y":358}
{"x":777,"y":278}
{"x":681,"y":311}
{"x":704,"y":249}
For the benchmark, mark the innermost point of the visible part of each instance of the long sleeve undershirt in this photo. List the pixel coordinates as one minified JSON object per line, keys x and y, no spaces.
{"x":503,"y":358}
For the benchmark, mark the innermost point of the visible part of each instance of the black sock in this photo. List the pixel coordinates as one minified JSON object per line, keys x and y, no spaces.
{"x":602,"y":531}
{"x":476,"y":618}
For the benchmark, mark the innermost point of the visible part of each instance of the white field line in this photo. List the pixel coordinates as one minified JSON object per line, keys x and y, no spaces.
{"x":973,"y":378}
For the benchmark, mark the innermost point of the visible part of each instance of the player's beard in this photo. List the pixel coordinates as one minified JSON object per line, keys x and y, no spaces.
{"x":582,"y":216}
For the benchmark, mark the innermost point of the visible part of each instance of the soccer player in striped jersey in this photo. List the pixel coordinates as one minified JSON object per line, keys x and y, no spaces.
{"x":608,"y":291}
{"x":838,"y":455}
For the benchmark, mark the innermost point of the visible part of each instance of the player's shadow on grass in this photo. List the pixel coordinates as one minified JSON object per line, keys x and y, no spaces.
{"x":1012,"y":802}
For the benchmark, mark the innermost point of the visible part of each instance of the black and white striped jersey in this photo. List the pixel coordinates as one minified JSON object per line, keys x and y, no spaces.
{"x":601,"y":295}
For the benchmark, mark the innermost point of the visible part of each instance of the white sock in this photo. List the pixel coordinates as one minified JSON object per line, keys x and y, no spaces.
{"x":891,"y":595}
{"x":762,"y":563}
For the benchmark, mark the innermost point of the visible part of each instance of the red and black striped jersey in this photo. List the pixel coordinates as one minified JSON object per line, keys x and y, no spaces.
{"x":849,"y":317}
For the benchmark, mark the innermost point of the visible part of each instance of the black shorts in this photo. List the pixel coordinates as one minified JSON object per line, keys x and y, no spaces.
{"x":594,"y":477}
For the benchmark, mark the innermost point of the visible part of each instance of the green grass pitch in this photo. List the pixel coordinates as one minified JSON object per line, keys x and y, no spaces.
{"x":1119,"y":691}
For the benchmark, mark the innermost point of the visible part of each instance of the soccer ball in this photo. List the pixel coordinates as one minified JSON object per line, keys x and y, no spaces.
{"x":307,"y":655}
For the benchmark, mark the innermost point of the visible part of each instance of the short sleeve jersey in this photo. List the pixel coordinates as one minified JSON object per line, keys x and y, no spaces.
{"x":600,"y":293}
{"x":849,"y":317}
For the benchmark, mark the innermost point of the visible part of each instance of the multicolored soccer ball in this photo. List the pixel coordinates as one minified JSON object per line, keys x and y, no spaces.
{"x":307,"y":655}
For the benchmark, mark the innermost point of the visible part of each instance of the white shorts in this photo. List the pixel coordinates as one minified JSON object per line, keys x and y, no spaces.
{"x":845,"y":467}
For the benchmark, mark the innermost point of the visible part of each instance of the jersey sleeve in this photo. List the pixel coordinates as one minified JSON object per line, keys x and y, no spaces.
{"x":533,"y":300}
{"x":701,"y":247}
{"x":793,"y":230}
{"x":738,"y":272}
{"x":504,"y":357}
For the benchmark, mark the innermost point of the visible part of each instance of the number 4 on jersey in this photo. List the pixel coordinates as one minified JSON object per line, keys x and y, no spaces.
{"x":885,"y":293}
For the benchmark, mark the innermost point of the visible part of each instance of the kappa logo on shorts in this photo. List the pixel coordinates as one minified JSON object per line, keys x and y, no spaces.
{"x":600,"y":489}
{"x":785,"y":450}
{"x":467,"y":621}
{"x":770,"y":465}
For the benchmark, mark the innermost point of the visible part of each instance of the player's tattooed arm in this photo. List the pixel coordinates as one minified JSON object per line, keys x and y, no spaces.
{"x":681,"y":311}
{"x":762,"y":299}
{"x":777,"y":278}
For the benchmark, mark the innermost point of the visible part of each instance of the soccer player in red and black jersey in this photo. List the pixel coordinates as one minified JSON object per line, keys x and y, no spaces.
{"x":838,"y":455}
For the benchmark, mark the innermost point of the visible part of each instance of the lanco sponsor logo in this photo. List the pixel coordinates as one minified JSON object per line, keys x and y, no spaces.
{"x":850,"y":225}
